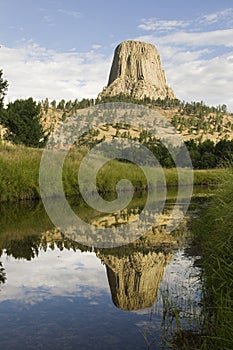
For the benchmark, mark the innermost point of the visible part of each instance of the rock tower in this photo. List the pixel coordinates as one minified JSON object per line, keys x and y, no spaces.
{"x":137,"y":71}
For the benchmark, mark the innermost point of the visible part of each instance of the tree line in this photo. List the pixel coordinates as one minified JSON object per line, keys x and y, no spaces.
{"x":203,"y":155}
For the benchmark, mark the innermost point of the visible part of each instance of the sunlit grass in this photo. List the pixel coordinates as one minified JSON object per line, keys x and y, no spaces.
{"x":19,"y":174}
{"x":215,"y":232}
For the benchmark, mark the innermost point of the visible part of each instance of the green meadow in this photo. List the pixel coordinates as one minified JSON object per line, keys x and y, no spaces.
{"x":19,"y":176}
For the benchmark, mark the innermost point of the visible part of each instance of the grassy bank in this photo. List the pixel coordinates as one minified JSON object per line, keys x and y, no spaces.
{"x":19,"y":176}
{"x":19,"y":173}
{"x":215,"y":233}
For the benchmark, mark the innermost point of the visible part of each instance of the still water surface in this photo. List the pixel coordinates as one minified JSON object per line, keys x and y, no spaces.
{"x":57,"y":294}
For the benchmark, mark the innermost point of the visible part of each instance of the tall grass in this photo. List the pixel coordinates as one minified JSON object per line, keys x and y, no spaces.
{"x":115,"y":170}
{"x":19,"y":174}
{"x":215,"y":233}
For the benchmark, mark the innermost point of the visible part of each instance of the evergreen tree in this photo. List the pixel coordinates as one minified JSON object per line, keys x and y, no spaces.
{"x":22,"y":120}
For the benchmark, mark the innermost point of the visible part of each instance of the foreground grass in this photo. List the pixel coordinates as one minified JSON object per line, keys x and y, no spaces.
{"x":215,"y":233}
{"x":19,"y":174}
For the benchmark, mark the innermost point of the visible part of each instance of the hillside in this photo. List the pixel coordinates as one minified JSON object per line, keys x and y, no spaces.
{"x":192,"y":120}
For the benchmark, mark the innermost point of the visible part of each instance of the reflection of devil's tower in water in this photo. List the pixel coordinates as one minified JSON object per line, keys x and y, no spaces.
{"x":136,"y":270}
{"x":135,"y":279}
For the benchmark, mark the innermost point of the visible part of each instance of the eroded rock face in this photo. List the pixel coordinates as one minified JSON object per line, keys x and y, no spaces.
{"x":137,"y":71}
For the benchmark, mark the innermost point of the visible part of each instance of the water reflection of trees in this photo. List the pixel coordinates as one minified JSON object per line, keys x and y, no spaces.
{"x":26,"y":229}
{"x":26,"y":248}
{"x":29,"y":247}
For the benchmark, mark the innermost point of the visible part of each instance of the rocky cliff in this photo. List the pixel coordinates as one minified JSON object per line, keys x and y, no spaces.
{"x":137,"y":71}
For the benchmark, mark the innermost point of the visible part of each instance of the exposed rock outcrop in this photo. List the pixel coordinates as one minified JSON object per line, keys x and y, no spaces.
{"x":137,"y":71}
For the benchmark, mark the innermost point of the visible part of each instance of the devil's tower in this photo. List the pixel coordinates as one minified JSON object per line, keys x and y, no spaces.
{"x":137,"y":71}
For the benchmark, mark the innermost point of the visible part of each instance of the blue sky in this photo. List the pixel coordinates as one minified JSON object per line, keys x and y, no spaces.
{"x":63,"y":49}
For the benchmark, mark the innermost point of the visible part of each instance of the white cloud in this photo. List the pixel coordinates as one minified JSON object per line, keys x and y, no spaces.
{"x":225,"y":16}
{"x":199,"y":79}
{"x":32,"y":70}
{"x":49,"y":20}
{"x":211,"y":38}
{"x":58,"y":273}
{"x":211,"y":18}
{"x":162,"y":26}
{"x":198,"y":58}
{"x":71,"y":13}
{"x":192,"y":74}
{"x":96,"y":46}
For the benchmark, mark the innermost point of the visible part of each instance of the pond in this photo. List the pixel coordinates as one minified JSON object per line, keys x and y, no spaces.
{"x":58,"y":294}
